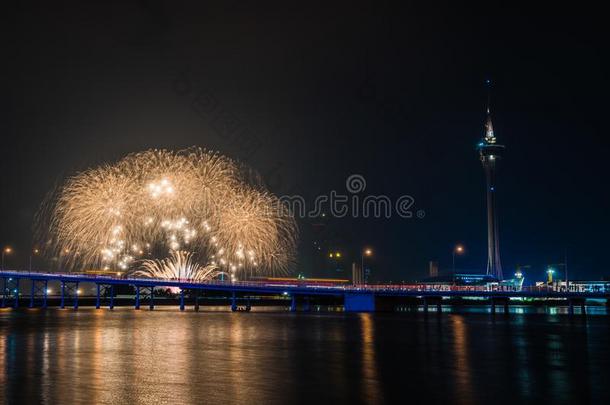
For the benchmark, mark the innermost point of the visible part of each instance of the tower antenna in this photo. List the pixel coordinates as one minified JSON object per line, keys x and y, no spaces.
{"x":488,"y":85}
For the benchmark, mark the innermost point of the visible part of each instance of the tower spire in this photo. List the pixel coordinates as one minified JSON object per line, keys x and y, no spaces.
{"x":489,"y":128}
{"x":490,"y":153}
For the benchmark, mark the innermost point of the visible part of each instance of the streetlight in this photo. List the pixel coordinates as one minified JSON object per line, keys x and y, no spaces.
{"x":35,"y":251}
{"x":459,"y":249}
{"x":335,"y":256}
{"x":6,"y":251}
{"x":368,"y":252}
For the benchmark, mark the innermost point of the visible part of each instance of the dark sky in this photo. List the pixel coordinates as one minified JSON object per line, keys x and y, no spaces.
{"x":387,"y":90}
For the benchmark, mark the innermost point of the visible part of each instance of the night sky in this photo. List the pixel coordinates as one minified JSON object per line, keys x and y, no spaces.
{"x":309,"y":94}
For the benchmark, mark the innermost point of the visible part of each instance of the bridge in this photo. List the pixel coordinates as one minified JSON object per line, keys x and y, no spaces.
{"x":356,"y":298}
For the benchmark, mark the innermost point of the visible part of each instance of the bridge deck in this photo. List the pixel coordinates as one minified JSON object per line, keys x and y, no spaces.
{"x":304,"y":288}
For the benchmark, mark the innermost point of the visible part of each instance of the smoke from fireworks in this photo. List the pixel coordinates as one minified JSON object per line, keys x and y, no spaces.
{"x":157,"y":203}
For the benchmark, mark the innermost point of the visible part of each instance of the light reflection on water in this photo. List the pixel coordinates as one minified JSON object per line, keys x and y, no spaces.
{"x":165,"y":356}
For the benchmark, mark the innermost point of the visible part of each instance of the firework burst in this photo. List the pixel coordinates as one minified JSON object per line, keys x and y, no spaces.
{"x":131,"y":214}
{"x":179,"y":265}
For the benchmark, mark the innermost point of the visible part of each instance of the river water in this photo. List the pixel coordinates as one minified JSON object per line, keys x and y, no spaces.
{"x":164,"y":356}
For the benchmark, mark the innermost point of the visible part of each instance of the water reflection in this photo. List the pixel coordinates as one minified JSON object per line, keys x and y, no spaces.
{"x":462,"y":367}
{"x":127,"y":356}
{"x":370,"y":387}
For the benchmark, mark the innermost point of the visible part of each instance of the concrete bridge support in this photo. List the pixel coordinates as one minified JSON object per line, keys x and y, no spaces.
{"x":97,"y":296}
{"x":38,"y":289}
{"x":293,"y":303}
{"x":137,"y":303}
{"x":233,"y":302}
{"x":69,"y":289}
{"x":196,"y":300}
{"x":104,"y":290}
{"x":111,"y":305}
{"x":151,"y":299}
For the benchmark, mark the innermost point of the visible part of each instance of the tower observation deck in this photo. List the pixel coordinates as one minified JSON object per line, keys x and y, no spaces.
{"x":490,"y":152}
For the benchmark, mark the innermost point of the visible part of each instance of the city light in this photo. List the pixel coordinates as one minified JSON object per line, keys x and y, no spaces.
{"x":366,"y":252}
{"x":457,"y":249}
{"x":550,"y":271}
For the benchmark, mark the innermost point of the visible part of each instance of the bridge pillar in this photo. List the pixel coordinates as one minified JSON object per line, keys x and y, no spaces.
{"x":137,"y":305}
{"x":76,"y":295}
{"x":248,"y":305}
{"x":425,"y":305}
{"x":570,"y":306}
{"x":45,"y":293}
{"x":111,"y":306}
{"x":63,"y":291}
{"x":583,"y":308}
{"x":97,"y":296}
{"x":16,"y":291}
{"x":151,"y":304}
{"x":293,"y":303}
{"x":181,"y":299}
{"x":493,"y":306}
{"x":32,"y":292}
{"x":439,"y":307}
{"x":359,"y":302}
{"x":38,"y":286}
{"x":506,"y":306}
{"x":3,"y":304}
{"x":197,"y":300}
{"x":233,"y":302}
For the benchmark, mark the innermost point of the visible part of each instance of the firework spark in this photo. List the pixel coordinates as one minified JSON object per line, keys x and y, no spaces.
{"x":158,"y":202}
{"x":180,"y":265}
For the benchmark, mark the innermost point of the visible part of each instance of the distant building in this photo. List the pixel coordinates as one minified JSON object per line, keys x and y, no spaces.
{"x":433,"y":269}
{"x":468,"y":279}
{"x":357,"y":274}
{"x":595,"y":286}
{"x":460,"y":279}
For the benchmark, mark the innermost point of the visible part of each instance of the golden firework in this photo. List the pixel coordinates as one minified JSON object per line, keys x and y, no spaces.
{"x":153,"y":203}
